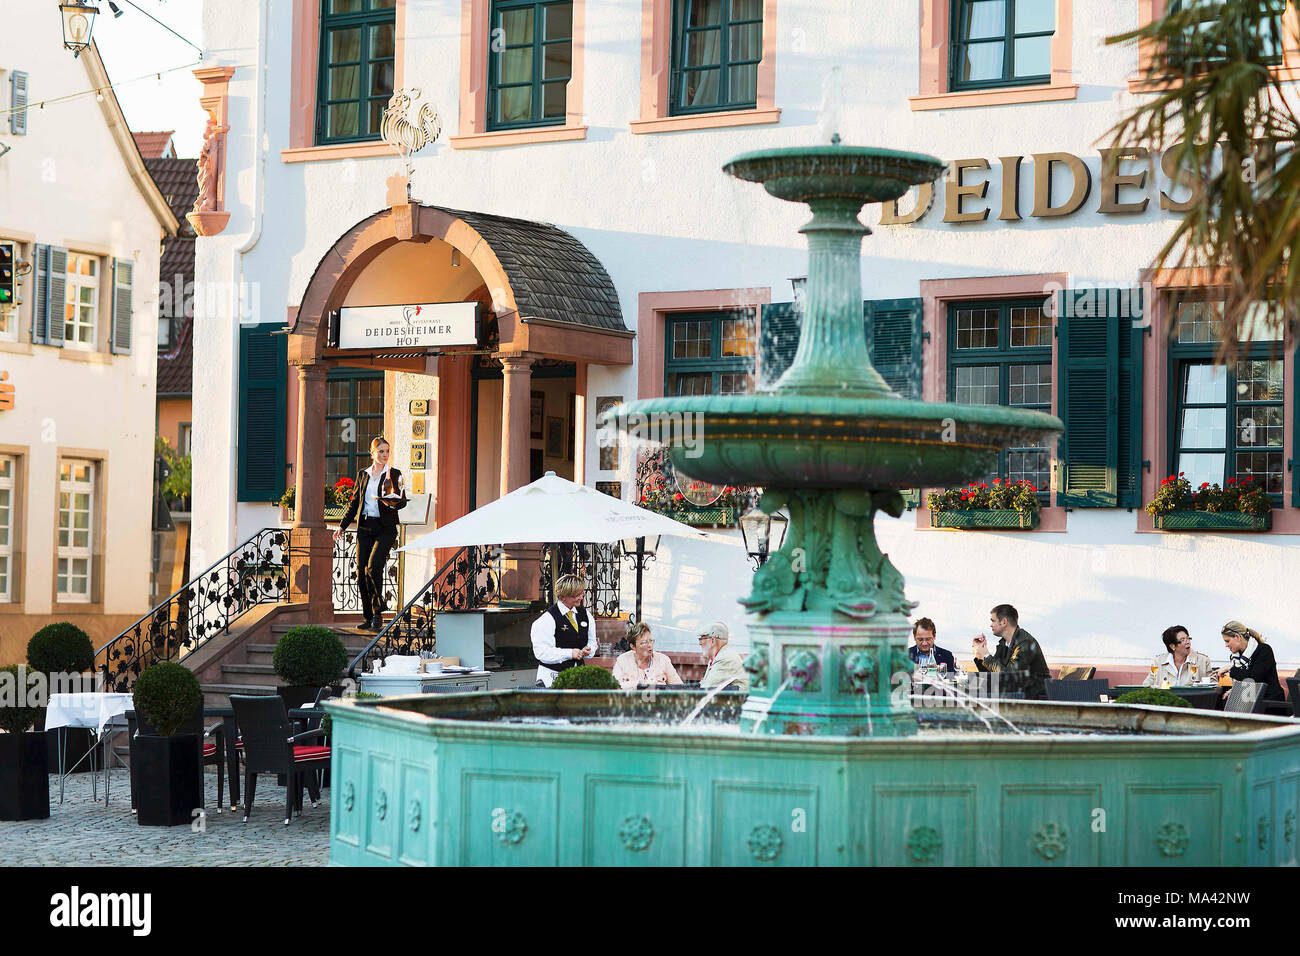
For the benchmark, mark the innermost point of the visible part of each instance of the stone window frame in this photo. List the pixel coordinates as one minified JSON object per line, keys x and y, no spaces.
{"x":21,"y":455}
{"x":933,"y":92}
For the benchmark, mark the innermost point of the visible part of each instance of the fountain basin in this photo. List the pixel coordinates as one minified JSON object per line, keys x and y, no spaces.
{"x":810,"y":173}
{"x":816,"y":441}
{"x":451,"y":780}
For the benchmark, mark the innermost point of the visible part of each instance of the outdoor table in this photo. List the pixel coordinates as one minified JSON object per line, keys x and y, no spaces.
{"x":1202,"y":696}
{"x":92,"y":711}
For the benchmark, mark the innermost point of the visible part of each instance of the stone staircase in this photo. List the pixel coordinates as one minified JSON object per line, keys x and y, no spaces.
{"x":255,"y":675}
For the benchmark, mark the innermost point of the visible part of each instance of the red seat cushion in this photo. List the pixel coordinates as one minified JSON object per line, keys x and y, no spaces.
{"x":209,"y":750}
{"x":302,"y":753}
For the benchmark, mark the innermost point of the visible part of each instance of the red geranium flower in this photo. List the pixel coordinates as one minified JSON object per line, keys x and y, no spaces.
{"x":1232,"y":481}
{"x":1205,"y":484}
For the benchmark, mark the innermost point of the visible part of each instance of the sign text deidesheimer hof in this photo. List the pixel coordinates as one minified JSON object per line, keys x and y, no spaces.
{"x":427,"y":325}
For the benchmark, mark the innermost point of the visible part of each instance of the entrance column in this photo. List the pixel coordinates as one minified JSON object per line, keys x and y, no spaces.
{"x":311,"y":543}
{"x":522,"y":566}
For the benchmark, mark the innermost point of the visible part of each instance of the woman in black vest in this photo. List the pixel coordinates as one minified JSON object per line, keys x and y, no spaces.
{"x":376,"y":498}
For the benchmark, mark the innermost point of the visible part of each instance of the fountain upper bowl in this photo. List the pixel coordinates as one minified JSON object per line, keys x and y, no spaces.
{"x":807,"y":173}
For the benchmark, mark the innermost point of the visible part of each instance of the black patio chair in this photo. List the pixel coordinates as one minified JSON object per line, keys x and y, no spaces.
{"x":1293,"y":689}
{"x":269,"y":746}
{"x":212,"y":750}
{"x":1246,"y":697}
{"x":1089,"y":690}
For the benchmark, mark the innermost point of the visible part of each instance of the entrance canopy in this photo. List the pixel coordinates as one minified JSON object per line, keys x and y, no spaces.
{"x":551,"y":509}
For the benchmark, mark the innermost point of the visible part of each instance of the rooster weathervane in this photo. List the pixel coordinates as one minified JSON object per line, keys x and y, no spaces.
{"x":404,"y":136}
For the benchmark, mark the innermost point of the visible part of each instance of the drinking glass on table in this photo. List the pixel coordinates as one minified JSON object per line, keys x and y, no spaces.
{"x":1195,"y":670}
{"x":1154,"y":668}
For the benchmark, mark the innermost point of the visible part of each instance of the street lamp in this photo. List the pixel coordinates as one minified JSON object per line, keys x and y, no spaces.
{"x":642,"y":551}
{"x":78,"y":21}
{"x":763,"y":534}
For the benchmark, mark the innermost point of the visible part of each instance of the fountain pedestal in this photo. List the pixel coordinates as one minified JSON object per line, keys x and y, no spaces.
{"x":822,"y":672}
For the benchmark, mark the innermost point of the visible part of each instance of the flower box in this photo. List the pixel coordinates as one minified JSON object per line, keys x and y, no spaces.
{"x":1213,"y":521}
{"x":332,"y":515}
{"x":1008,"y":519}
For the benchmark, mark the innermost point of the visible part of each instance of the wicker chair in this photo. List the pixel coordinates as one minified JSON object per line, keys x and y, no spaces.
{"x":1246,"y":697}
{"x":270,"y":747}
{"x":1077,"y":690}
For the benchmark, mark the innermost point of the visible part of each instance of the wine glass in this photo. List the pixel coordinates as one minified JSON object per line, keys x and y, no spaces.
{"x":1195,"y":671}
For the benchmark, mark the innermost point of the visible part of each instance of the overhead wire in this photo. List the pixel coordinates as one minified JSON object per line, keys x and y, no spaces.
{"x":93,"y":91}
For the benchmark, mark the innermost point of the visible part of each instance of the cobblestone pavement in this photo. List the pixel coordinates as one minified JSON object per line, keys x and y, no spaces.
{"x":82,"y":832}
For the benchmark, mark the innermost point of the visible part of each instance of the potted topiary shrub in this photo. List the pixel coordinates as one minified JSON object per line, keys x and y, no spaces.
{"x":24,"y":763}
{"x":585,"y":677}
{"x":308,"y":658}
{"x":64,"y":654}
{"x":169,"y":774}
{"x":1153,"y":697}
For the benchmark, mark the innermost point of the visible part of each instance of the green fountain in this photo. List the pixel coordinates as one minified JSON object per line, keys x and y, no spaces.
{"x":833,"y":443}
{"x":823,"y":763}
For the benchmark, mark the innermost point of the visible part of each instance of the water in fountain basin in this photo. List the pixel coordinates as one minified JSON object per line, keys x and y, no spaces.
{"x":768,"y":709}
{"x":705,"y":701}
{"x":968,"y":703}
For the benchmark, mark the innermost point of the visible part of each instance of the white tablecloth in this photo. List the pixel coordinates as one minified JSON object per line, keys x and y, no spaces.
{"x":85,"y":710}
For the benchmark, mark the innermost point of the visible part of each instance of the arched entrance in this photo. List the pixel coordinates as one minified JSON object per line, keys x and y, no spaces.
{"x":547,"y":305}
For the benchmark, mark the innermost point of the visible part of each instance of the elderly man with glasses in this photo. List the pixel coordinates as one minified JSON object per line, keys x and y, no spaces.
{"x":723,"y":660}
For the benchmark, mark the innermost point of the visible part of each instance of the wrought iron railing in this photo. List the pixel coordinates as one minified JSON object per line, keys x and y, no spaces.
{"x":468,"y":580}
{"x":256,"y":572}
{"x":347,"y":593}
{"x":598,"y":563}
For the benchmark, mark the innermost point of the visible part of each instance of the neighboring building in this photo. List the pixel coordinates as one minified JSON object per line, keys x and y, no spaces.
{"x":76,"y":448}
{"x":177,"y":180}
{"x":613,"y":259}
{"x":156,"y":145}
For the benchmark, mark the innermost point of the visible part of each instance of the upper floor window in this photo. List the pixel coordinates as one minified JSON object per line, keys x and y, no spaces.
{"x":1227,"y":420}
{"x":81,"y":301}
{"x":531,"y":63}
{"x":1000,"y":353}
{"x":709,"y":353}
{"x":1001,"y":43}
{"x":717,"y":46}
{"x":1202,"y":44}
{"x":357,"y":62}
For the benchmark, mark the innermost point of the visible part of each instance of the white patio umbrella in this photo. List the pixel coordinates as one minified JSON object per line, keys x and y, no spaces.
{"x":551,"y":509}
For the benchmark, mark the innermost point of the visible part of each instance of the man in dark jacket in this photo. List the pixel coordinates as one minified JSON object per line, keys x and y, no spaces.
{"x":1017,"y":652}
{"x":924,"y":651}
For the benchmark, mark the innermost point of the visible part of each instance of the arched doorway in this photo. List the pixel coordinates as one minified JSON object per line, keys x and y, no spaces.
{"x":548,"y":310}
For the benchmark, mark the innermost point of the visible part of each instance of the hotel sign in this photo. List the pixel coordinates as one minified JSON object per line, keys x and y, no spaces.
{"x":424,"y":326}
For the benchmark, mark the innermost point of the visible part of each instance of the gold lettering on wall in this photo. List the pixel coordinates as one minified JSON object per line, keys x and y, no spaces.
{"x":889,"y":215}
{"x":1010,"y":188}
{"x":1182,"y":177}
{"x":1112,"y":182}
{"x":1043,"y":163}
{"x":955,"y":191}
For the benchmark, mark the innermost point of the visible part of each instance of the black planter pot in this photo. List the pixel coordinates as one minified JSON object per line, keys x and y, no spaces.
{"x":24,"y":777}
{"x":168,"y":780}
{"x":77,"y":742}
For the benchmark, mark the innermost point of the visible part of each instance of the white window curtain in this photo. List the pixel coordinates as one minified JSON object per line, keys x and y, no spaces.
{"x":516,"y":66}
{"x":983,"y":61}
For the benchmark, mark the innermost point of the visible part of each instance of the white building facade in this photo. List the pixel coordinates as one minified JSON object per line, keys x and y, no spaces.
{"x":83,"y":222}
{"x":610,"y":122}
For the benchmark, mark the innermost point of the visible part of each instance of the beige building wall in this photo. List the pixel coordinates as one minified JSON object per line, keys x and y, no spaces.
{"x":74,"y":180}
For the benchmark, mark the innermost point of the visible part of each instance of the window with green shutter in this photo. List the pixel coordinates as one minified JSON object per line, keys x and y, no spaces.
{"x":709,"y":353}
{"x":1000,"y":353}
{"x":357,"y":66}
{"x":1100,"y":398}
{"x":530,"y":63}
{"x":263,"y":380}
{"x":1226,"y":422}
{"x":354,"y":414}
{"x":717,"y":46}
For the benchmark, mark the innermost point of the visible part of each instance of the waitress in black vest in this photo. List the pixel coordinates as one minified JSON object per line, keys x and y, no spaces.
{"x":564,"y":636}
{"x":376,"y":499}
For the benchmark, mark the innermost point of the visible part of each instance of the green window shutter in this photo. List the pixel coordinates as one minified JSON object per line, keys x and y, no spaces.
{"x":57,"y":286}
{"x":893,"y":328}
{"x":1088,"y":399}
{"x":41,"y":296}
{"x":18,"y":103}
{"x":263,"y":380}
{"x":778,"y":340}
{"x":123,"y":271}
{"x":1132,"y":342}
